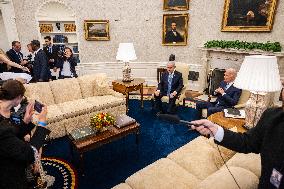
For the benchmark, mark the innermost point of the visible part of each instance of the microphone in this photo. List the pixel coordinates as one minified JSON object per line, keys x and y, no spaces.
{"x":175,"y":119}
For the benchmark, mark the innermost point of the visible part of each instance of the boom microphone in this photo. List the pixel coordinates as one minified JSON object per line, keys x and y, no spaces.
{"x":175,"y":119}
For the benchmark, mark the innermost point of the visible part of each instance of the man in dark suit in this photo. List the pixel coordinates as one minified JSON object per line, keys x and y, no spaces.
{"x":40,"y":69}
{"x":227,"y":95}
{"x":15,"y":55}
{"x":173,"y":36}
{"x":170,"y":85}
{"x":51,"y":51}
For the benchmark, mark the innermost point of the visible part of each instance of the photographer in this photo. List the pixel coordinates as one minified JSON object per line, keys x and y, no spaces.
{"x":66,"y":64}
{"x":15,"y":154}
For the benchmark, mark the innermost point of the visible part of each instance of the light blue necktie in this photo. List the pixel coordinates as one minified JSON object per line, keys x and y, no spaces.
{"x":170,"y":79}
{"x":227,"y":86}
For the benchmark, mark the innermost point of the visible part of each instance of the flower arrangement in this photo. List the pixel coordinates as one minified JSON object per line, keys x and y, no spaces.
{"x":101,"y":121}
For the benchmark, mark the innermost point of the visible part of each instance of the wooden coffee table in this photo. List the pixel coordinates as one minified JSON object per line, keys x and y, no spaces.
{"x":129,"y":86}
{"x":93,"y":142}
{"x":227,"y":123}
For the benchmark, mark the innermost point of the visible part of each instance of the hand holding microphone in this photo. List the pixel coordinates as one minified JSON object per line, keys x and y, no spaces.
{"x":205,"y":127}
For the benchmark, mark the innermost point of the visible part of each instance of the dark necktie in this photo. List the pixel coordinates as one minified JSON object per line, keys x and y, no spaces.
{"x":50,"y":49}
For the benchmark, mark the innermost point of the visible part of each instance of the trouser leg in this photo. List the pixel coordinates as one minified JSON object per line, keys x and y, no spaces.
{"x":158,"y":102}
{"x":172,"y":104}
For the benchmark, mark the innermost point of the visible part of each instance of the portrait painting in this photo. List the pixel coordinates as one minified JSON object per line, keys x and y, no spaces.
{"x":175,"y":29}
{"x":96,"y":30}
{"x":176,"y":5}
{"x":249,"y":15}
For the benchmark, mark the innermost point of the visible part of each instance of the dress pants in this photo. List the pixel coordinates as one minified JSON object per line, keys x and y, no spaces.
{"x":171,"y":105}
{"x":211,"y":107}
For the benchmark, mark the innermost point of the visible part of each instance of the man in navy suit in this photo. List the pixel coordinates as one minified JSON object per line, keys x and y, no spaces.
{"x":41,"y":69}
{"x":15,"y":55}
{"x":51,"y":51}
{"x":170,"y":85}
{"x":227,"y":94}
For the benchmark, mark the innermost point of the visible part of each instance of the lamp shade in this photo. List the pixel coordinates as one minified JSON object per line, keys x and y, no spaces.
{"x":126,"y":52}
{"x":259,"y":73}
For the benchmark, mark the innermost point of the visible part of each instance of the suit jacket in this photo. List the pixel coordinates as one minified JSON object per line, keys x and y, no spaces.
{"x":177,"y":83}
{"x":73,"y":64}
{"x":14,"y":57}
{"x":231,"y":97}
{"x":265,"y":138}
{"x":41,"y":69}
{"x":170,"y":37}
{"x":52,"y":55}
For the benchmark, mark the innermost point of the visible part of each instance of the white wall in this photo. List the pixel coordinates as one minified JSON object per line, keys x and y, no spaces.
{"x":3,"y":35}
{"x":140,"y":22}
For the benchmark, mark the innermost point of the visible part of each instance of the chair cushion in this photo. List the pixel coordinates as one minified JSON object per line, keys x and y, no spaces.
{"x":250,"y":162}
{"x":54,"y":114}
{"x":197,"y":157}
{"x":122,"y":186}
{"x":65,"y":90}
{"x":163,"y":173}
{"x":244,"y":97}
{"x":40,"y":91}
{"x":88,"y":105}
{"x":225,"y":152}
{"x":222,"y":179}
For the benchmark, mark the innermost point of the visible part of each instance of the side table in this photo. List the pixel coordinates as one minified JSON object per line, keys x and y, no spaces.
{"x":129,"y":86}
{"x":227,"y":123}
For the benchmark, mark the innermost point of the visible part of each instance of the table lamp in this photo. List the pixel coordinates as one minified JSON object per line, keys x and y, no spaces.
{"x":126,"y":53}
{"x":258,"y":74}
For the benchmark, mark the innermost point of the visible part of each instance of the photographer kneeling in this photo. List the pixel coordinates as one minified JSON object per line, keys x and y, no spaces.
{"x":15,"y":154}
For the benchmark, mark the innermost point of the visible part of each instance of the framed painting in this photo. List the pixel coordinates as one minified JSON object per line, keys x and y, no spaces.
{"x":175,"y":29}
{"x":96,"y":30}
{"x":249,"y":15}
{"x":176,"y":5}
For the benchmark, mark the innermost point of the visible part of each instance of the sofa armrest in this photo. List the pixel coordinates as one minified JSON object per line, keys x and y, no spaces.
{"x":114,"y":93}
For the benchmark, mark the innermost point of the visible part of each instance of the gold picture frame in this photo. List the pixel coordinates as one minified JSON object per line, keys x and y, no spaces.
{"x":175,"y":29}
{"x":248,"y":16}
{"x":175,"y":5}
{"x":96,"y":30}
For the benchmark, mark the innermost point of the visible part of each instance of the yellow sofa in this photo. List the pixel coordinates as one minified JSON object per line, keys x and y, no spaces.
{"x":198,"y":165}
{"x":71,"y":102}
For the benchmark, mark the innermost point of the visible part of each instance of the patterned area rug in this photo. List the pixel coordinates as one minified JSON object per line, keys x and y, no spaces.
{"x":60,"y":174}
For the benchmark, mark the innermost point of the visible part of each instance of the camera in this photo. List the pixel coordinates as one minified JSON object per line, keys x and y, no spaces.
{"x":18,"y":114}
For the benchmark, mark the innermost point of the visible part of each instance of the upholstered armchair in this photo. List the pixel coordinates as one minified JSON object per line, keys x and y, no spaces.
{"x":184,"y":69}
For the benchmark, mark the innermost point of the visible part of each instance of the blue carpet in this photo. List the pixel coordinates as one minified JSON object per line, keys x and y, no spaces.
{"x":112,"y":163}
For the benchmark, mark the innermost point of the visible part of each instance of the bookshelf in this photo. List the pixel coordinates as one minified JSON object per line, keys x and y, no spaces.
{"x":62,"y":33}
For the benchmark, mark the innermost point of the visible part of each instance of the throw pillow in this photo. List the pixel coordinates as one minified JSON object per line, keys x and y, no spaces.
{"x":101,"y":86}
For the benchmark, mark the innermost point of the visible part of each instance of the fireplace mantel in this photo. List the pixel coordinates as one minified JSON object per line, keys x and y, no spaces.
{"x":232,"y":58}
{"x":247,"y":52}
